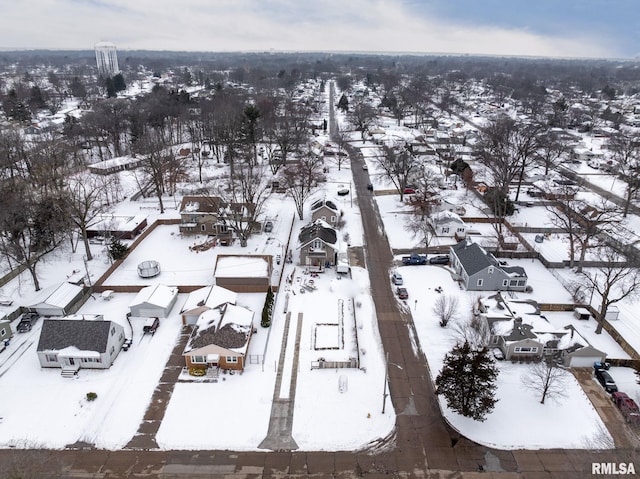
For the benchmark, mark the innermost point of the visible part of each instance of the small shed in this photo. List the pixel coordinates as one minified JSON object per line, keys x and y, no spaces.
{"x":581,"y":313}
{"x":612,"y":313}
{"x":154,"y":301}
{"x":244,"y":273}
{"x":57,"y":300}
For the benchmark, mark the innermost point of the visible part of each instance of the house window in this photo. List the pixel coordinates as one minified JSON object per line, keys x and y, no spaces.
{"x":525,"y":350}
{"x":198,"y":360}
{"x":490,"y":270}
{"x":521,"y":282}
{"x":112,"y":350}
{"x":113,"y":331}
{"x":445,"y":229}
{"x":334,"y":219}
{"x":3,"y":333}
{"x":513,"y":282}
{"x":480,"y":282}
{"x":90,"y":360}
{"x":460,"y":230}
{"x":232,"y":359}
{"x":505,"y":282}
{"x":121,"y":337}
{"x":317,"y":244}
{"x":223,"y":229}
{"x":51,"y":358}
{"x":203,"y":227}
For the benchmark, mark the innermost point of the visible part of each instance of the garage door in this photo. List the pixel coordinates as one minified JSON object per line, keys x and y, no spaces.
{"x":583,"y":362}
{"x":148,"y":313}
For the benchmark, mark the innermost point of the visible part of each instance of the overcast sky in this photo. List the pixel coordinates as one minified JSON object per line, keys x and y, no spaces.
{"x":566,"y":28}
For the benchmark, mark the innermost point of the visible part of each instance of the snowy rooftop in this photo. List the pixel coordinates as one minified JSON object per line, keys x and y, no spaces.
{"x":241,"y":267}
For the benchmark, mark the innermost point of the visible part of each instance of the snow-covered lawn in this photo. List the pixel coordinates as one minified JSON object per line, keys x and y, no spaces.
{"x":569,"y":422}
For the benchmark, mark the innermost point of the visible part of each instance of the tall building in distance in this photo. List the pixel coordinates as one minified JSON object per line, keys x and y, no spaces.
{"x":107,"y":59}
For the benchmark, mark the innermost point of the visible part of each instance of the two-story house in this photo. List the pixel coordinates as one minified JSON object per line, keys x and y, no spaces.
{"x":318,"y":244}
{"x":478,"y":270}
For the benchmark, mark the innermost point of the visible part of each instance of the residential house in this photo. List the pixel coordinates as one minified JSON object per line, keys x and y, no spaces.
{"x":211,"y":215}
{"x":57,"y":300}
{"x":243,"y":273}
{"x":326,"y":209}
{"x":154,"y":301}
{"x":478,"y":270}
{"x":205,"y":299}
{"x":204,"y":215}
{"x":519,"y":331}
{"x":318,"y":244}
{"x":72,"y":343}
{"x":121,"y":227}
{"x":220,"y":338}
{"x":448,"y":224}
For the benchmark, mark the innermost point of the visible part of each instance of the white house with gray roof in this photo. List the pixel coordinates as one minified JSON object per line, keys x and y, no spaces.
{"x":79,"y":342}
{"x":448,"y":224}
{"x":478,"y":270}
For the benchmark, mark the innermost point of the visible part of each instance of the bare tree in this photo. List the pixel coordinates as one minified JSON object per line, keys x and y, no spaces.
{"x":583,"y":223}
{"x":550,"y":151}
{"x":342,"y":140}
{"x":397,"y":164}
{"x":32,"y":224}
{"x":301,"y":180}
{"x":615,"y":281}
{"x":244,"y":197}
{"x":361,"y":116}
{"x":547,"y":378}
{"x":446,"y":308}
{"x":626,"y":152}
{"x":87,"y":200}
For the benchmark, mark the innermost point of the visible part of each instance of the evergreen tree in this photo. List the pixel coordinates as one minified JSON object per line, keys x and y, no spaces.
{"x":118,"y":83}
{"x":117,"y":250}
{"x":343,"y":103}
{"x":468,"y":381}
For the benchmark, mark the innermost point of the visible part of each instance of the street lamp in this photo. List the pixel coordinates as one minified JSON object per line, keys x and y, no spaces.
{"x":386,"y":377}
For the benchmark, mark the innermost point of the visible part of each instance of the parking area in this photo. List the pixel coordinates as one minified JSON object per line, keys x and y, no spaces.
{"x":624,"y":435}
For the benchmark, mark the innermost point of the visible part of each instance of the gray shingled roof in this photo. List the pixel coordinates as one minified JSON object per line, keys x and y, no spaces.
{"x":58,"y":334}
{"x":317,"y":229}
{"x":472,"y":257}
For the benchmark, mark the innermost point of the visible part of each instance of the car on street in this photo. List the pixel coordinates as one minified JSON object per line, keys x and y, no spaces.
{"x":369,"y":186}
{"x":605,"y":379}
{"x":365,"y":167}
{"x":27,"y":321}
{"x":396,"y":278}
{"x":402,"y":293}
{"x":268,"y":227}
{"x":442,"y":259}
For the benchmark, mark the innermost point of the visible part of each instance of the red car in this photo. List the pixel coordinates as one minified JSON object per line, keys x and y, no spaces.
{"x":402,"y":293}
{"x":627,"y":406}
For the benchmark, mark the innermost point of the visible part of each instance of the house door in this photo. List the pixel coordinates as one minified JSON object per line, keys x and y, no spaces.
{"x":70,"y":361}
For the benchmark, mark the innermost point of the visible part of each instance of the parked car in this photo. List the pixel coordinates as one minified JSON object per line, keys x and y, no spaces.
{"x":369,"y":186}
{"x":396,"y":278}
{"x":151,"y":325}
{"x":442,"y":259}
{"x":27,"y":321}
{"x":402,"y":293}
{"x":414,"y":258}
{"x":365,"y":167}
{"x":343,"y":191}
{"x":268,"y":227}
{"x":627,"y":406}
{"x":409,"y":190}
{"x":605,"y":379}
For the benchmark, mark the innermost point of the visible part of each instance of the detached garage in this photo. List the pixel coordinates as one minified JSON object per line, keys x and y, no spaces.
{"x":154,"y":301}
{"x":58,"y":300}
{"x":579,"y":356}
